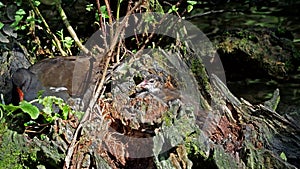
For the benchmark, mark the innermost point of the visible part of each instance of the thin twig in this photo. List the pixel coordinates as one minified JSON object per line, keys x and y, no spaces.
{"x":110,"y":52}
{"x":100,"y":16}
{"x":212,"y":12}
{"x":109,"y":12}
{"x":149,"y":37}
{"x":71,"y":148}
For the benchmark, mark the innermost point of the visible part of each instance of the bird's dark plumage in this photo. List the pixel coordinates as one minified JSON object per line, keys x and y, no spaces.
{"x":64,"y":77}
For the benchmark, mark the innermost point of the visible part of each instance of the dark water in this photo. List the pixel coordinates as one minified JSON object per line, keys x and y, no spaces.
{"x":281,"y":14}
{"x":257,"y":91}
{"x":284,"y":15}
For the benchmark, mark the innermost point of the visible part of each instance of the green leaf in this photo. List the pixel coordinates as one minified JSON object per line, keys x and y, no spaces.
{"x":283,"y":156}
{"x":32,"y":110}
{"x":37,"y":3}
{"x":9,"y":108}
{"x":14,"y":25}
{"x":104,"y":11}
{"x":43,"y":136}
{"x":103,"y":8}
{"x":30,"y":19}
{"x":18,"y":18}
{"x":66,"y":109}
{"x":89,"y":7}
{"x":173,"y":9}
{"x":189,"y":8}
{"x":47,"y":102}
{"x":30,"y":123}
{"x":192,"y":2}
{"x":20,"y":12}
{"x":60,"y":33}
{"x":69,"y":41}
{"x":23,"y":27}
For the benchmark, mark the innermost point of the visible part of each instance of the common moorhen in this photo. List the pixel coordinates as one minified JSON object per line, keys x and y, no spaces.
{"x":64,"y":77}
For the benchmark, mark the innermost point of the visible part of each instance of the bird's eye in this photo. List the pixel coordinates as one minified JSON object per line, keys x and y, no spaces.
{"x":151,"y":81}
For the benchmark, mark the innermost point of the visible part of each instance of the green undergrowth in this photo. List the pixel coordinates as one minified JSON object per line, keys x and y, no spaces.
{"x":25,"y":134}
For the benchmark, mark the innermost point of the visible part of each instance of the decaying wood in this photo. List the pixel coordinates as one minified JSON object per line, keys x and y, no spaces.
{"x":236,"y":134}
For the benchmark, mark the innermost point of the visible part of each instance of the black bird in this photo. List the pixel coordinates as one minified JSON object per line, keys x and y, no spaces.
{"x":64,"y":77}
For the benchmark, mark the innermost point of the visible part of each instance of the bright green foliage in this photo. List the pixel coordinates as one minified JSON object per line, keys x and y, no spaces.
{"x":48,"y":110}
{"x":18,"y":18}
{"x":174,"y":8}
{"x":89,"y":7}
{"x":104,"y":11}
{"x":156,"y":6}
{"x":67,"y":42}
{"x":1,"y":25}
{"x":32,"y":110}
{"x":283,"y":156}
{"x":190,"y":7}
{"x":53,"y":108}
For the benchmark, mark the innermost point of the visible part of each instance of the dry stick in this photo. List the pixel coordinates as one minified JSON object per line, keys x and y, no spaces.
{"x":102,"y":24}
{"x":70,"y":29}
{"x":85,"y":117}
{"x":118,"y":52}
{"x":71,"y":148}
{"x":213,"y":12}
{"x":48,"y":30}
{"x":100,"y":16}
{"x":110,"y":53}
{"x":100,"y":86}
{"x":108,"y":11}
{"x":111,"y":33}
{"x":149,"y":37}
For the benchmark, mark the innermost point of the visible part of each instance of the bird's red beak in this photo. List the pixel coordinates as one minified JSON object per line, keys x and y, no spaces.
{"x":21,"y":94}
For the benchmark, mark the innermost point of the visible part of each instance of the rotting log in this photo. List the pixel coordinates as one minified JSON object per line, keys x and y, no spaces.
{"x":231,"y":133}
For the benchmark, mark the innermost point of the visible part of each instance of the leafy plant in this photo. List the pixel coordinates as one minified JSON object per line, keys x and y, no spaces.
{"x":190,"y":6}
{"x":283,"y":156}
{"x":27,"y":23}
{"x":26,"y":107}
{"x":89,"y":7}
{"x":174,"y":8}
{"x":51,"y":103}
{"x":18,"y":18}
{"x":67,"y":41}
{"x":104,"y":11}
{"x":53,"y":108}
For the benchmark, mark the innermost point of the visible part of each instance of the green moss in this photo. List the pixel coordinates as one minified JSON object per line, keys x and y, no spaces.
{"x":167,"y":118}
{"x":14,"y":152}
